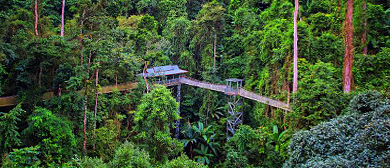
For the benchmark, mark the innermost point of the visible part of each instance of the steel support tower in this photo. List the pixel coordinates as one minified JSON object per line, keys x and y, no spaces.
{"x":234,"y":109}
{"x":178,"y":97}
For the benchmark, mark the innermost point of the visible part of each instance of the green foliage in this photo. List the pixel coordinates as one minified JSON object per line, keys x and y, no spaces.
{"x":355,"y":140}
{"x":24,"y":157}
{"x":317,"y":6}
{"x":2,"y":73}
{"x":157,"y":111}
{"x":368,"y":102}
{"x":183,"y":162}
{"x":177,"y":31}
{"x":9,"y":128}
{"x":171,"y":9}
{"x":209,"y":22}
{"x":333,"y":45}
{"x":106,"y":140}
{"x":248,"y":146}
{"x":253,"y":40}
{"x":319,"y":97}
{"x":322,"y":22}
{"x":148,"y":23}
{"x":128,"y":155}
{"x":371,"y":72}
{"x":53,"y":134}
{"x":88,"y":162}
{"x":203,"y":140}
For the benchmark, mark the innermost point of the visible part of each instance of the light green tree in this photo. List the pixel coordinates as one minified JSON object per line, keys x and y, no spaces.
{"x":208,"y":24}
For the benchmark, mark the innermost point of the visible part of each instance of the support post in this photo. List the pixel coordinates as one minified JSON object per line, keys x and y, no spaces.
{"x":178,"y":97}
{"x":234,"y":111}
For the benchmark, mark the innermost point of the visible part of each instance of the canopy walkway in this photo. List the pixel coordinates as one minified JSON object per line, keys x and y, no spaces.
{"x":12,"y":100}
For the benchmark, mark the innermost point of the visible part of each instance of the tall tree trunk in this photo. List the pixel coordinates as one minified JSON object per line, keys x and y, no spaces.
{"x":146,"y":81}
{"x":348,"y":57}
{"x":36,"y":18}
{"x":85,"y":105}
{"x":85,"y":119}
{"x":215,"y":49}
{"x":81,"y":38}
{"x":364,"y":33}
{"x":40,"y":76}
{"x":295,"y":80}
{"x":116,"y":80}
{"x":62,"y":18}
{"x":97,"y":95}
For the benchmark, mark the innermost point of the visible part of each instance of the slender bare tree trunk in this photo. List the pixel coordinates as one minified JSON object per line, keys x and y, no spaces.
{"x":364,"y":34}
{"x":40,"y":76}
{"x":62,"y":18}
{"x":116,"y":80}
{"x":295,"y":80}
{"x":146,"y":81}
{"x":348,"y":57}
{"x":215,"y":49}
{"x":81,"y":37}
{"x":85,"y":119}
{"x":85,"y":105}
{"x":36,"y":18}
{"x":97,"y":95}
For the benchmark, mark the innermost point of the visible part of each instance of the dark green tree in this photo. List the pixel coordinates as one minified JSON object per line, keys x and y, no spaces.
{"x":53,"y":134}
{"x":9,"y":129}
{"x":156,"y":113}
{"x":129,"y":155}
{"x":359,"y":139}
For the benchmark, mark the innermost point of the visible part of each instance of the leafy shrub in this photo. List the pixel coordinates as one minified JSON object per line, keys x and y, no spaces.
{"x":321,"y":22}
{"x":128,"y":155}
{"x":25,"y":157}
{"x":8,"y":128}
{"x":106,"y":140}
{"x":89,"y":162}
{"x":368,"y":102}
{"x":319,"y":98}
{"x":355,"y":140}
{"x":235,"y":159}
{"x":257,"y":147}
{"x":183,"y":162}
{"x":315,"y":6}
{"x":204,"y":142}
{"x":372,"y":72}
{"x":53,"y":134}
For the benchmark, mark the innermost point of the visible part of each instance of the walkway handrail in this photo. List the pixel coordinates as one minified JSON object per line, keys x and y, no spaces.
{"x":201,"y":84}
{"x":241,"y":92}
{"x":265,"y":100}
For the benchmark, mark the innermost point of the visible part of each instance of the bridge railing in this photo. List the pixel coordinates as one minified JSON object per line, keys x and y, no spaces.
{"x":201,"y":84}
{"x":265,"y":100}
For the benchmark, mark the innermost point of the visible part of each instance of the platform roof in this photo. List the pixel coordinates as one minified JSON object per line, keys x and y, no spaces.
{"x":163,"y":71}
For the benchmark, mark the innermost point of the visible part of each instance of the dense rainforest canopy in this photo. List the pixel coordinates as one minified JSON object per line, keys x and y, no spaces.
{"x":73,"y":48}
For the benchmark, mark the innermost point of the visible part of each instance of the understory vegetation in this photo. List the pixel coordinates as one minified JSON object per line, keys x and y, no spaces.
{"x":106,"y":43}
